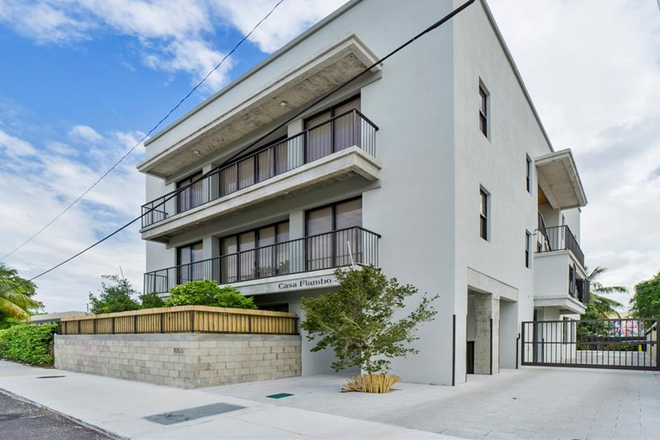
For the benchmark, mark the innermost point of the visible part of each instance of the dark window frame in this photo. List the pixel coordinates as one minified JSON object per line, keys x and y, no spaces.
{"x":528,"y":249}
{"x":185,"y":196}
{"x":190,"y":263}
{"x":484,"y":103}
{"x":528,"y":173}
{"x":256,"y":236}
{"x":334,"y":212}
{"x":332,"y":109}
{"x":484,"y":214}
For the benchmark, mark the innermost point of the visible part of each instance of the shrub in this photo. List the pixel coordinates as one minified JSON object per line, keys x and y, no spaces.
{"x":29,"y":343}
{"x":151,"y":301}
{"x":208,"y":293}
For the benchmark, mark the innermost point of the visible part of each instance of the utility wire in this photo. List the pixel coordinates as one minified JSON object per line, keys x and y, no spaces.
{"x":298,"y":113}
{"x":154,"y":128}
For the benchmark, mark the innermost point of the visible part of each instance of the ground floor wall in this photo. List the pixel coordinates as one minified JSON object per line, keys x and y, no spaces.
{"x":184,"y":360}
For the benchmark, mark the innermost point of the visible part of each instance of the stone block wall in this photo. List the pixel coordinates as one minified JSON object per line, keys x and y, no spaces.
{"x":184,"y":360}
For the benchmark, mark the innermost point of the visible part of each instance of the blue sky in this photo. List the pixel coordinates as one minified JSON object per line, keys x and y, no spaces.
{"x":82,"y":80}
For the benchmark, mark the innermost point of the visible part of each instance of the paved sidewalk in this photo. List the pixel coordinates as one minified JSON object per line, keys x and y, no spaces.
{"x":530,"y":403}
{"x":119,"y":407}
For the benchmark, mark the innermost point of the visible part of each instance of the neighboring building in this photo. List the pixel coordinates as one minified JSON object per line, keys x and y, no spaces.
{"x":434,"y":166}
{"x":53,"y":318}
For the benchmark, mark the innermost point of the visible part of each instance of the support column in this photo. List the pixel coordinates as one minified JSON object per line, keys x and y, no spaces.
{"x":486,"y":334}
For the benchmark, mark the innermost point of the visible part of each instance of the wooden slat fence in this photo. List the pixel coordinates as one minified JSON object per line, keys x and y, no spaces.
{"x":183,"y":319}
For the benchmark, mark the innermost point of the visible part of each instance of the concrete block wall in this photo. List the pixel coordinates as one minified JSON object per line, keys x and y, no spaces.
{"x":184,"y":360}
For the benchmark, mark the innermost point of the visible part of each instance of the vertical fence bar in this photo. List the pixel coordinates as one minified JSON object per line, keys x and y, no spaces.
{"x":491,"y":346}
{"x":453,"y":350}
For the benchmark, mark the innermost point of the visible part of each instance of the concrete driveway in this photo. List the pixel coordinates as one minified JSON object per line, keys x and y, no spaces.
{"x":530,"y":403}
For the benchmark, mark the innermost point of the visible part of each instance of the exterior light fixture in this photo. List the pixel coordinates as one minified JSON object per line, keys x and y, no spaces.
{"x":196,"y":152}
{"x":283,"y":104}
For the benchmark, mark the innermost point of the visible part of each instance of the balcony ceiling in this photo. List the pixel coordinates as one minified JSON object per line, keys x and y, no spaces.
{"x":181,"y":145}
{"x":559,"y":179}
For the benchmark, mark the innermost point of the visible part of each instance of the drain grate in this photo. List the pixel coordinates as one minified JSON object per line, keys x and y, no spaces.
{"x":279,"y":395}
{"x":49,"y":377}
{"x":198,"y":412}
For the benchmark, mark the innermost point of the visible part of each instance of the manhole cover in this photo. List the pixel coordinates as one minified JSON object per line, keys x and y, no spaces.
{"x":198,"y":412}
{"x":279,"y":395}
{"x":5,"y":417}
{"x":49,"y":377}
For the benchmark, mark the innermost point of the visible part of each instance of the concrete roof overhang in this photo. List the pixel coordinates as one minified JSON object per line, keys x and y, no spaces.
{"x":212,"y":128}
{"x":559,"y":179}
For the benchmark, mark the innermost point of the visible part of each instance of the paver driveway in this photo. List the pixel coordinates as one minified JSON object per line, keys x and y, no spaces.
{"x":533,"y":402}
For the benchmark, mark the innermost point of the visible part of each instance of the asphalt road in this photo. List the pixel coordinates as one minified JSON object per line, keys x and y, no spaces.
{"x":22,"y":421}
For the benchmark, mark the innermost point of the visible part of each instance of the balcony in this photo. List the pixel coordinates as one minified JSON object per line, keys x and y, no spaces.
{"x":314,"y":253}
{"x":336,"y":149}
{"x":560,"y":280}
{"x":558,"y":238}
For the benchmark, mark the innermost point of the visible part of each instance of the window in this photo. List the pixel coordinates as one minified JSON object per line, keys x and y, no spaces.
{"x":255,"y":254}
{"x":483,"y":110}
{"x":483,"y":214}
{"x":332,"y":130}
{"x":334,"y":235}
{"x":529,"y":175}
{"x":188,"y":260}
{"x":191,"y":195}
{"x":257,"y":167}
{"x":528,"y":249}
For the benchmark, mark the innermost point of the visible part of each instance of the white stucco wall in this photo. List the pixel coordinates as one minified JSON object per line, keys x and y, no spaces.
{"x":434,"y":160}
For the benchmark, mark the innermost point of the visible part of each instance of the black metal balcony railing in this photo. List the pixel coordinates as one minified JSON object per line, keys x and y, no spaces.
{"x":323,"y":251}
{"x":348,"y":129}
{"x":558,"y":238}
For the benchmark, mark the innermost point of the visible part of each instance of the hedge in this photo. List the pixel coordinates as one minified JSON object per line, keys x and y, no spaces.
{"x":30,"y":344}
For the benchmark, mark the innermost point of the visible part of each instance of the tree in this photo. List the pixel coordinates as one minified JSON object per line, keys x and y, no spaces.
{"x":646,"y":299}
{"x":16,"y":297}
{"x":357,"y":321}
{"x":115,"y":296}
{"x":601,"y":307}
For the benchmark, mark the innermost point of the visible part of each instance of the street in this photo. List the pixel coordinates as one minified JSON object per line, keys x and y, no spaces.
{"x":19,"y":420}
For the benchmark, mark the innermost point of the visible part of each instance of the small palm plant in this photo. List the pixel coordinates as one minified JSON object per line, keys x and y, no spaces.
{"x":16,"y":294}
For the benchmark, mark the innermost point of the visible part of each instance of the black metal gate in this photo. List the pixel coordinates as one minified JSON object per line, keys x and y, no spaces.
{"x":630,"y":344}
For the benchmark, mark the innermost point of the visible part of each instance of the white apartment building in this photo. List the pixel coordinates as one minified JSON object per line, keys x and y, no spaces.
{"x":433,"y":166}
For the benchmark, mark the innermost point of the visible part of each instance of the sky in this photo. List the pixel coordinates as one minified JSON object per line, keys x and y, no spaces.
{"x":82,"y":81}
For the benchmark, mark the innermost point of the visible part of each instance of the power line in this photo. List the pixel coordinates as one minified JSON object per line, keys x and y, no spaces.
{"x":154,"y":128}
{"x":291,"y":118}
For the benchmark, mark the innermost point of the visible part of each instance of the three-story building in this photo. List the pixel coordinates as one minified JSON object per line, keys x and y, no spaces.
{"x":434,"y":166}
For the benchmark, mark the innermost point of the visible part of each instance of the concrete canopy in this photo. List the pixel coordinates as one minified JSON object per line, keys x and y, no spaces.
{"x":559,"y":179}
{"x":218,"y":125}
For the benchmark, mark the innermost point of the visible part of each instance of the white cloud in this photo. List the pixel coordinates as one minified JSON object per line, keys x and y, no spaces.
{"x":14,"y":146}
{"x":49,"y":180}
{"x":44,"y":22}
{"x":85,"y":133}
{"x":289,"y":19}
{"x":589,"y":69}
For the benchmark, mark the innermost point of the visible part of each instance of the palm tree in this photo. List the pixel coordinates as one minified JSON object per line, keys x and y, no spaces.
{"x":16,"y":295}
{"x":600,"y":306}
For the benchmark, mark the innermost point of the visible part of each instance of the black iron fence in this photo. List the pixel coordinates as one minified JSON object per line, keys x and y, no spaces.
{"x":324,"y":251}
{"x":607,"y":343}
{"x":558,"y":238}
{"x":343,"y":131}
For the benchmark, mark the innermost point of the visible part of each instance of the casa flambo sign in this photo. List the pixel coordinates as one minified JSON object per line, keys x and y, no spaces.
{"x":307,"y":282}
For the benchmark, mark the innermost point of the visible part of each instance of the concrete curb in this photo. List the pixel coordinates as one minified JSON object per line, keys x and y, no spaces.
{"x":98,"y":429}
